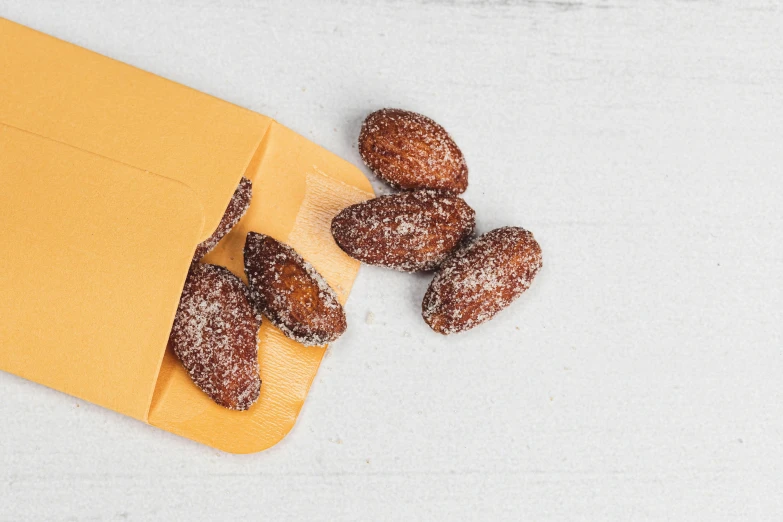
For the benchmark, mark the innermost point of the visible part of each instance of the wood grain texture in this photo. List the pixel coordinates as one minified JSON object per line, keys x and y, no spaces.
{"x":638,"y":378}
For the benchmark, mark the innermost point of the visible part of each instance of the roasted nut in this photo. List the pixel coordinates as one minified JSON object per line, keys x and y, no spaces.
{"x":237,"y":207}
{"x":291,"y":293}
{"x":409,"y":231}
{"x":478,"y":281}
{"x":410,"y":151}
{"x":215,"y":335}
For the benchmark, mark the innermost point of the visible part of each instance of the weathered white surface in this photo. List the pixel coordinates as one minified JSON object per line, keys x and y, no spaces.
{"x":639,"y":379}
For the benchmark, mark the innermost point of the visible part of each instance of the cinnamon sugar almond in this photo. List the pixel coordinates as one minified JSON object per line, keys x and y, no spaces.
{"x":409,"y":231}
{"x":410,"y":151}
{"x":215,"y":335}
{"x":240,"y":202}
{"x":480,"y":280}
{"x":291,"y":293}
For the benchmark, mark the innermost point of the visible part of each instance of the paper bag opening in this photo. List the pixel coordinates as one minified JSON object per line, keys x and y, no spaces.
{"x":297,"y":188}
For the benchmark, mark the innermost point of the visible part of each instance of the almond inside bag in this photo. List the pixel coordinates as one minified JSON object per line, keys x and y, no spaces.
{"x":297,"y":189}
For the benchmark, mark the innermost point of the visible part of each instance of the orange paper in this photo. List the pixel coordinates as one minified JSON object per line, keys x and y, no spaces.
{"x":109,"y":178}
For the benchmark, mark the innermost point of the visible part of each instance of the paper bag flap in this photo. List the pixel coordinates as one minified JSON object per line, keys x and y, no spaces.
{"x":95,"y":254}
{"x":75,"y":96}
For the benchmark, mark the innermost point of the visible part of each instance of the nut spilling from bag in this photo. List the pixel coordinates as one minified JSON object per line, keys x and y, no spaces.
{"x":237,"y":207}
{"x":291,"y":293}
{"x":410,"y":231}
{"x":426,"y":230}
{"x":410,"y":151}
{"x":215,"y":332}
{"x":478,"y":281}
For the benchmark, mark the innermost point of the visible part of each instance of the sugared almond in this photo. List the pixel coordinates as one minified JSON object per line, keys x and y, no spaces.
{"x":291,"y":293}
{"x":478,"y":281}
{"x":237,"y":207}
{"x":409,"y":231}
{"x":410,"y":151}
{"x":215,"y":335}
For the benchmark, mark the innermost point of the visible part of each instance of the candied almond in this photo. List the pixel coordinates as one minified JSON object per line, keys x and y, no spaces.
{"x":237,"y":207}
{"x":291,"y":293}
{"x":478,"y":281}
{"x":215,"y":335}
{"x":410,"y":151}
{"x":409,"y":231}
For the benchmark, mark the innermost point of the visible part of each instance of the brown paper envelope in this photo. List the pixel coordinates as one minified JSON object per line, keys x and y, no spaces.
{"x":93,"y":251}
{"x":109,"y":177}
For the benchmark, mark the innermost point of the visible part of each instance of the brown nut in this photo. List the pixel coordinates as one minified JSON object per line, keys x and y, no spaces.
{"x":409,"y":231}
{"x":478,"y":281}
{"x":237,"y":207}
{"x":215,"y":335}
{"x":291,"y":293}
{"x":410,"y":151}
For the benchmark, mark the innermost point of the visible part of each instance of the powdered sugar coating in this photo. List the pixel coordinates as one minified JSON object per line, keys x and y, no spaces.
{"x":237,"y":207}
{"x":409,"y":231}
{"x":410,"y":151}
{"x":478,"y":281}
{"x":215,"y":335}
{"x":291,"y":293}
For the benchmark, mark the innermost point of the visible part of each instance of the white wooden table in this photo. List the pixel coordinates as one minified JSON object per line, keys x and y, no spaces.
{"x":639,"y":378}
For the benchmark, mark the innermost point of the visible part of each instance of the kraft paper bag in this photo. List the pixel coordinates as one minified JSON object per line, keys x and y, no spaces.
{"x":109,"y":178}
